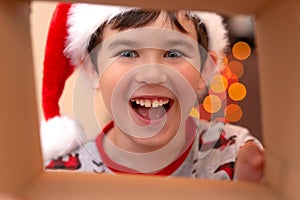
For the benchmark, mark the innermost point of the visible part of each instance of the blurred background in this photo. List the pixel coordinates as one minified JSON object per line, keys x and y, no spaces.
{"x":233,"y":94}
{"x":243,"y":62}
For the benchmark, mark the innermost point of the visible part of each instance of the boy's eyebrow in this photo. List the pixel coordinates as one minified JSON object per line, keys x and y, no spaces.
{"x":161,"y":45}
{"x":179,"y":42}
{"x":123,"y":42}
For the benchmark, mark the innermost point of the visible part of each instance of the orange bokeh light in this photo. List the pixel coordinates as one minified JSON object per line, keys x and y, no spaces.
{"x":241,"y":50}
{"x":237,"y":91}
{"x":195,"y":113}
{"x":212,"y":103}
{"x":226,"y":72}
{"x":225,"y":60}
{"x":218,"y":83}
{"x":236,"y":67}
{"x":233,"y":113}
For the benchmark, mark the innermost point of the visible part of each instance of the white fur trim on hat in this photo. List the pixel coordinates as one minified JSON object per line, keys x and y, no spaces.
{"x":59,"y":136}
{"x":83,"y":21}
{"x":217,"y":32}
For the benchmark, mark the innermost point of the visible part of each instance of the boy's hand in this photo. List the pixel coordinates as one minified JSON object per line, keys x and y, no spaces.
{"x":250,"y":163}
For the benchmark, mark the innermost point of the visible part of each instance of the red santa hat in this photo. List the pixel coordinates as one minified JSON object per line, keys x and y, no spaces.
{"x":69,"y":33}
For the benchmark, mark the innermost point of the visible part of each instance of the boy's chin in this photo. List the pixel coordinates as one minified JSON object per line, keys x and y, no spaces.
{"x":156,"y":142}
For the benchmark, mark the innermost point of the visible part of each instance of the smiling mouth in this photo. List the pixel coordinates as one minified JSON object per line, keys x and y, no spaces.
{"x":151,"y":108}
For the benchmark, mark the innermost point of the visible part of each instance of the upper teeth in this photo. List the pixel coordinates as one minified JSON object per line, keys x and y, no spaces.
{"x":150,"y":103}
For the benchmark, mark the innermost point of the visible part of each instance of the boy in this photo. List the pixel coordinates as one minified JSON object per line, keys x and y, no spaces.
{"x":151,"y":67}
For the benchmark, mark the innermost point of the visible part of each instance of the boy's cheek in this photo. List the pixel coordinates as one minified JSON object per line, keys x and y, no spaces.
{"x":106,"y":95}
{"x":195,"y":81}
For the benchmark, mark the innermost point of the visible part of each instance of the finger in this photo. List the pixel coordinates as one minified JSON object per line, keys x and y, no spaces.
{"x":250,"y":163}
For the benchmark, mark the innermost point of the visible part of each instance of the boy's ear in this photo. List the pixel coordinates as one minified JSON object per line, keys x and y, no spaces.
{"x":91,"y":73}
{"x":202,"y":90}
{"x":213,"y":56}
{"x":209,"y":69}
{"x":210,"y":66}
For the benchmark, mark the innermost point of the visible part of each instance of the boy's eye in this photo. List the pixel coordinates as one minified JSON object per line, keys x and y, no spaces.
{"x":128,"y":54}
{"x":173,"y":54}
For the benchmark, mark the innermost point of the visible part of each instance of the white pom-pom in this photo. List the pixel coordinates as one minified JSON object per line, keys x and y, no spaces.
{"x":60,"y":136}
{"x":218,"y":39}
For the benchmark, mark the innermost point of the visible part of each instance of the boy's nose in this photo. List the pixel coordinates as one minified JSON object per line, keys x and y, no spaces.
{"x":151,"y":74}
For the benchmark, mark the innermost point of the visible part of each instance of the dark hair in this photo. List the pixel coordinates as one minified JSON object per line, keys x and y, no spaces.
{"x":138,"y":18}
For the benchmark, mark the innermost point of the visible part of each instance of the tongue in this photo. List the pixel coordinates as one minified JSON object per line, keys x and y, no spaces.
{"x":151,"y":113}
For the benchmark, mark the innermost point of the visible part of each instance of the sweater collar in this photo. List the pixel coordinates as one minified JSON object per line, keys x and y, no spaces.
{"x":190,"y":132}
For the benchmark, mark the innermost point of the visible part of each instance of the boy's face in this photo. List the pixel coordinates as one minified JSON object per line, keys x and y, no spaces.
{"x":149,"y":78}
